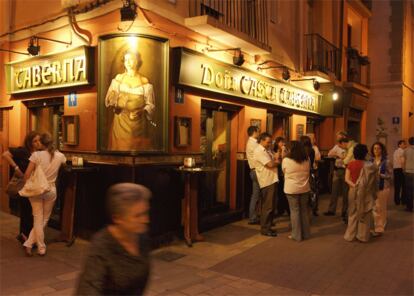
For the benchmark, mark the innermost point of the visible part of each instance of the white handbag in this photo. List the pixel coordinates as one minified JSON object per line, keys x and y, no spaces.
{"x":37,"y":184}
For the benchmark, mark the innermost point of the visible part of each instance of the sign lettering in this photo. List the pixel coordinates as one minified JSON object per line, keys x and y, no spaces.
{"x":53,"y":71}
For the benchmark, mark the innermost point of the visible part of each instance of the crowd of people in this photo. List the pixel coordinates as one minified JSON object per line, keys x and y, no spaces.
{"x":285,"y":180}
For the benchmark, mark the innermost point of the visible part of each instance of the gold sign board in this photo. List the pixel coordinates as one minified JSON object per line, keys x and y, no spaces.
{"x":65,"y":69}
{"x":199,"y":71}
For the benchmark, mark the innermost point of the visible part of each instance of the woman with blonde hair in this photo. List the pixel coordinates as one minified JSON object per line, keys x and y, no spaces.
{"x":50,"y":161}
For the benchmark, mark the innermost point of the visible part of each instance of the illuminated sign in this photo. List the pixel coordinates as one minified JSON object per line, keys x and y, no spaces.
{"x":66,"y":69}
{"x":199,"y":71}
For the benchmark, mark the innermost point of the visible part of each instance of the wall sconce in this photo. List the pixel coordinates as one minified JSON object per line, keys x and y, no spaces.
{"x":238,"y":58}
{"x":128,"y":10}
{"x":316,"y":84}
{"x":34,"y":48}
{"x":285,"y":73}
{"x":13,"y":51}
{"x":335,"y":96}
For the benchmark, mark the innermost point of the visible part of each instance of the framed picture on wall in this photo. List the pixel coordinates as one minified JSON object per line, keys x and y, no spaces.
{"x":182,"y":131}
{"x":70,"y":129}
{"x":133,"y":93}
{"x":256,"y":122}
{"x":300,"y":131}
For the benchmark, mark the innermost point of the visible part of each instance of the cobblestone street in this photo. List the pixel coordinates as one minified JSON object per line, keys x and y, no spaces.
{"x":236,"y":260}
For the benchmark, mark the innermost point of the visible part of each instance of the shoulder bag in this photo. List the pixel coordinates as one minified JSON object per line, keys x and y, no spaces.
{"x":37,"y":184}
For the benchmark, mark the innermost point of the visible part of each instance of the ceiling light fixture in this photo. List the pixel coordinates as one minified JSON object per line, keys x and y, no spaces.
{"x":238,"y":58}
{"x":316,"y":84}
{"x":285,"y":73}
{"x":34,"y":48}
{"x":128,"y":10}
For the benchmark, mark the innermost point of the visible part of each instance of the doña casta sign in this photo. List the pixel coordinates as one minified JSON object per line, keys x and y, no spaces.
{"x":199,"y":71}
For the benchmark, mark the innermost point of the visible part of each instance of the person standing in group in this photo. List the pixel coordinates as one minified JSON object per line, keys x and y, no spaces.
{"x":118,"y":259}
{"x":398,"y":157}
{"x":310,"y":152}
{"x":251,"y":145}
{"x":348,"y":158}
{"x":50,"y":161}
{"x":318,"y":155}
{"x":296,"y":168}
{"x":280,"y":153}
{"x":408,"y":164}
{"x":266,"y":170}
{"x":18,"y":159}
{"x":338,"y":183}
{"x":379,"y":154}
{"x":361,"y":176}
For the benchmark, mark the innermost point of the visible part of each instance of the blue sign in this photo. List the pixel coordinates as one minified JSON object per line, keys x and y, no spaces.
{"x":395,"y":120}
{"x":73,"y":99}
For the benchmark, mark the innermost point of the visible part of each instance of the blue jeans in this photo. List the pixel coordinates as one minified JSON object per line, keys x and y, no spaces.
{"x":255,"y":196}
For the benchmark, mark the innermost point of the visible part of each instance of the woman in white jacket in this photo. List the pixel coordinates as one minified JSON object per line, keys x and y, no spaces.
{"x":50,"y":161}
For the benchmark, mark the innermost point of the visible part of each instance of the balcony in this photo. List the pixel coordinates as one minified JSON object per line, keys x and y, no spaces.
{"x":358,"y":70}
{"x":322,"y":57}
{"x":237,"y":23}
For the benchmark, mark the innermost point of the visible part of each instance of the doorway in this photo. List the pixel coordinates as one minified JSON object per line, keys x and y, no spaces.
{"x":278,"y":124}
{"x":216,"y":135}
{"x":46,"y":116}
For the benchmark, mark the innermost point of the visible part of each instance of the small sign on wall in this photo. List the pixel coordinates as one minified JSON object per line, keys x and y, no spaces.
{"x":395,"y":120}
{"x":72,"y":99}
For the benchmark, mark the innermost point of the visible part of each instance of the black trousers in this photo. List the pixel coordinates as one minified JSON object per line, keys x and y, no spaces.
{"x":268,"y":206}
{"x":282,"y":202}
{"x":26,"y":217}
{"x":399,"y":186}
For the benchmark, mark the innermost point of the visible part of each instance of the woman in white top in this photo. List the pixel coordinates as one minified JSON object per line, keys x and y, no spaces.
{"x":50,"y":161}
{"x":296,"y":168}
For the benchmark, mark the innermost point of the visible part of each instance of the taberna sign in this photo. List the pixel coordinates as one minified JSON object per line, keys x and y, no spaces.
{"x":65,"y":69}
{"x":199,"y":71}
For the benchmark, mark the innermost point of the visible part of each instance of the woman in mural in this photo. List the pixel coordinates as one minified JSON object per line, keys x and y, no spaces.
{"x":131,"y":97}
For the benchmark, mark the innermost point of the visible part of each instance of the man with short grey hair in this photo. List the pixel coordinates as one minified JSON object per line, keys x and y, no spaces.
{"x":408,"y":164}
{"x":253,"y":133}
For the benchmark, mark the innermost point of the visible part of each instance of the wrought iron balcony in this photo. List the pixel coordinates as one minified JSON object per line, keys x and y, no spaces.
{"x":245,"y":16}
{"x":323,"y":56}
{"x":358,"y":67}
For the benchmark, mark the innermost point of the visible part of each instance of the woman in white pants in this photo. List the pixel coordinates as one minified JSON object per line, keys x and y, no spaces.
{"x":50,"y":161}
{"x":379,"y":153}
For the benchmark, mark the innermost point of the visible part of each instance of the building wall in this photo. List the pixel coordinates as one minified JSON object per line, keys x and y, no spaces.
{"x":391,"y":67}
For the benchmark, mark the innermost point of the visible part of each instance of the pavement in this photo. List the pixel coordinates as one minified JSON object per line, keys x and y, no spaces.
{"x":236,"y":260}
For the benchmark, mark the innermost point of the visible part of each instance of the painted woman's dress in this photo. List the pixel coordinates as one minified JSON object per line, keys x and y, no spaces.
{"x":133,"y":111}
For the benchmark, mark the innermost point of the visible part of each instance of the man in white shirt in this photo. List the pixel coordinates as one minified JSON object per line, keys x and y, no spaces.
{"x":338,"y":182}
{"x":398,"y":173}
{"x":253,"y":133}
{"x":266,"y":171}
{"x":408,"y":165}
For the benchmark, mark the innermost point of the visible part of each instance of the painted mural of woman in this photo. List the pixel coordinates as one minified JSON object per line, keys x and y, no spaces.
{"x":131,"y":96}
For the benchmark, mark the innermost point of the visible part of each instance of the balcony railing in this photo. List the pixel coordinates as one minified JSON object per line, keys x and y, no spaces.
{"x":358,"y":67}
{"x":323,"y":56}
{"x":246,"y":16}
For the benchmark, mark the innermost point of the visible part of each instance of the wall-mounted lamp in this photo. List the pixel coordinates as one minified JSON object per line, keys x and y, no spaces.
{"x":316,"y":84}
{"x":285,"y":73}
{"x":128,"y":10}
{"x":13,"y":51}
{"x":34,"y":48}
{"x":238,"y":58}
{"x":335,"y":96}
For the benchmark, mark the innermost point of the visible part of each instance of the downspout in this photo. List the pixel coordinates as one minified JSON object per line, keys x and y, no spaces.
{"x":341,"y":36}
